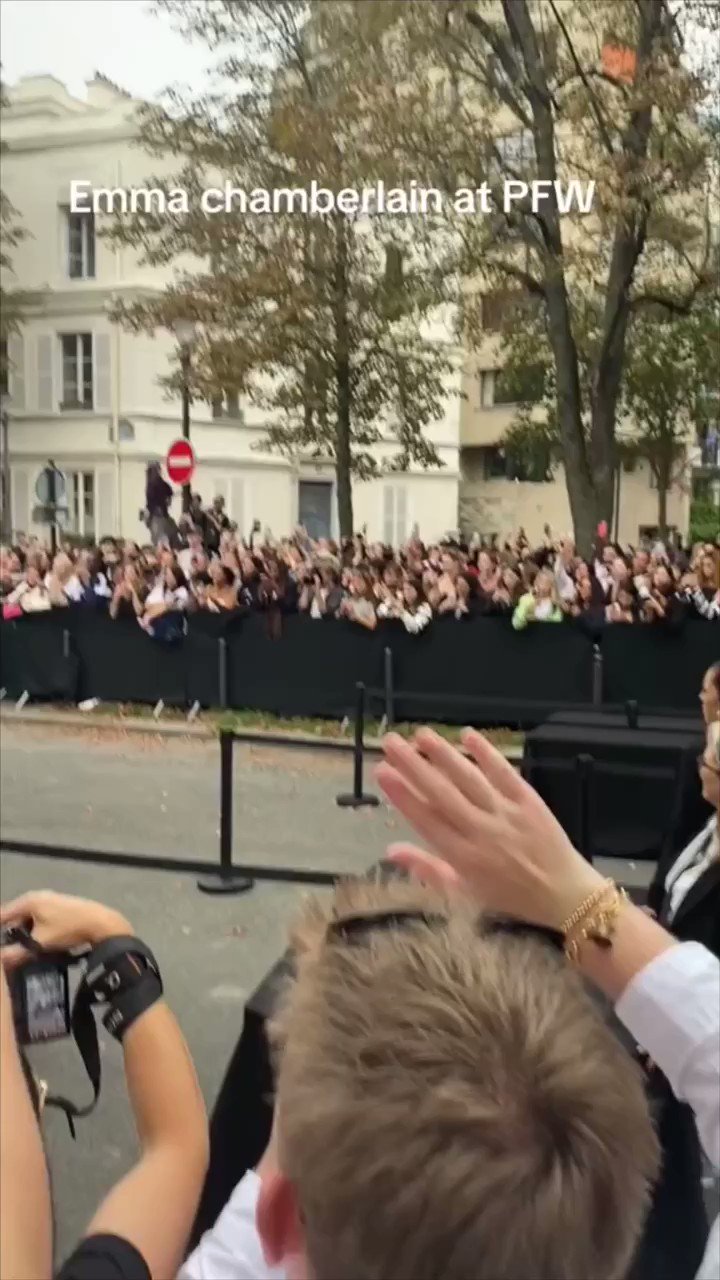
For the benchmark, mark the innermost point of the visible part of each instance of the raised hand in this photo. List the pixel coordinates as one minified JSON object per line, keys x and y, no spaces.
{"x":490,"y":833}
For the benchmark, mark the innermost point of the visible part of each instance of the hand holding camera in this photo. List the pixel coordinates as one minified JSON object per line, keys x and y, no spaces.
{"x":43,"y":935}
{"x":57,"y":922}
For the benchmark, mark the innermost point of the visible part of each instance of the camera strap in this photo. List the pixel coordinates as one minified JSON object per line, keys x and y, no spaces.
{"x":84,"y":1033}
{"x":121,"y":972}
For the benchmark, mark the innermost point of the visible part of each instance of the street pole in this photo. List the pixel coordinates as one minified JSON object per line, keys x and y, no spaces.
{"x":185,"y":367}
{"x":6,"y":520}
{"x":52,"y":506}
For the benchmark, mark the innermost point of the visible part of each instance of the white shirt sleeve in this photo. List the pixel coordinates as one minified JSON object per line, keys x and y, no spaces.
{"x":231,"y":1250}
{"x":673,"y":1009}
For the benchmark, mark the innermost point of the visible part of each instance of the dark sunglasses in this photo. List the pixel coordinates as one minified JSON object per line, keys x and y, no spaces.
{"x":356,"y":928}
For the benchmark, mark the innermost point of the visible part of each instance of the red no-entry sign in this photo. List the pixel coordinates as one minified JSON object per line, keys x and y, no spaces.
{"x":180,"y":462}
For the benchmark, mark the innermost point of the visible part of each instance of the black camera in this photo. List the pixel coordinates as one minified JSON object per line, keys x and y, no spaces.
{"x":40,"y":992}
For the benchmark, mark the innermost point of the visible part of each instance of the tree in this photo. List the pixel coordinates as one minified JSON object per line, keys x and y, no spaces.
{"x":322,"y":320}
{"x":673,"y":362}
{"x":11,"y":233}
{"x":613,"y":92}
{"x":663,"y":403}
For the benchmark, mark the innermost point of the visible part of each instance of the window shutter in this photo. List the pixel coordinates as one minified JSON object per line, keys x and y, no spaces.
{"x":400,"y":515}
{"x":237,"y":503}
{"x":45,"y":373}
{"x":106,"y":522}
{"x":388,"y":513}
{"x":16,"y":370}
{"x":101,"y":370}
{"x":20,"y":500}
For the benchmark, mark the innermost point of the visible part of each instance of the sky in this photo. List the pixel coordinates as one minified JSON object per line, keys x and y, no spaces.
{"x":123,"y":39}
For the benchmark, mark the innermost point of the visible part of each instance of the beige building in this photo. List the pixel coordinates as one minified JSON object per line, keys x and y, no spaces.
{"x":492,"y":500}
{"x":87,"y":395}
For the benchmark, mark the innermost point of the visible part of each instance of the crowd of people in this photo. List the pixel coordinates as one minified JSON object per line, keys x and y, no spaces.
{"x":206,"y":564}
{"x":452,"y":1103}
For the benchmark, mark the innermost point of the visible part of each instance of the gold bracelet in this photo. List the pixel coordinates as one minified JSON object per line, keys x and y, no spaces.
{"x":599,"y":922}
{"x":585,"y":905}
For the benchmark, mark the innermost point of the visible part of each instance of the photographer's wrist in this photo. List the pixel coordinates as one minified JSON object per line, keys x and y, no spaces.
{"x":106,"y":924}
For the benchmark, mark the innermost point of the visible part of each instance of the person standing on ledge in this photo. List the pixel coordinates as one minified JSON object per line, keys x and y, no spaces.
{"x":158,"y":496}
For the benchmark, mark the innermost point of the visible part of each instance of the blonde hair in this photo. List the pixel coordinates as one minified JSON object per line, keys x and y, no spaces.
{"x":451,"y":1103}
{"x":546,"y":575}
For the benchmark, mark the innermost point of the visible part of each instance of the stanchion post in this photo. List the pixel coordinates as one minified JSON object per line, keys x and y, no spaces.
{"x":66,"y":644}
{"x":584,"y":767}
{"x":227,"y":879}
{"x":389,"y":688}
{"x":222,"y":673}
{"x":597,"y":676}
{"x":357,"y":798}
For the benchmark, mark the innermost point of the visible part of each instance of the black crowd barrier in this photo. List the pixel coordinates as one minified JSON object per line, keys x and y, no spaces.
{"x":479,"y":671}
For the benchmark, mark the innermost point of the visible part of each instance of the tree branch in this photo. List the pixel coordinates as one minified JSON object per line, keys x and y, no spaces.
{"x":505,"y":57}
{"x":675,"y":306}
{"x":594,"y":104}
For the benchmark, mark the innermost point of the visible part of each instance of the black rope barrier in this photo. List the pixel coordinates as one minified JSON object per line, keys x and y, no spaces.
{"x":225,"y":876}
{"x":357,"y":798}
{"x":226,"y":879}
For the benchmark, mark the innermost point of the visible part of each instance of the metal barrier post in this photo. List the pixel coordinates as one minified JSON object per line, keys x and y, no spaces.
{"x":597,"y":676}
{"x":357,"y":798}
{"x":389,"y":690}
{"x":222,"y":673}
{"x":584,"y":767}
{"x":226,"y":880}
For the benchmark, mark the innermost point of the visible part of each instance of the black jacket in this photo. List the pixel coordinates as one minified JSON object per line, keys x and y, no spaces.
{"x":698,"y":916}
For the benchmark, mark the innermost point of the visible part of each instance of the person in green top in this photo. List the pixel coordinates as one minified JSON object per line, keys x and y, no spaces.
{"x":539,"y":605}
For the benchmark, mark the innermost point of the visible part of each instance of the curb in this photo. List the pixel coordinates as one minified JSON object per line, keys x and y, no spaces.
{"x":201,"y":733}
{"x":84,"y":720}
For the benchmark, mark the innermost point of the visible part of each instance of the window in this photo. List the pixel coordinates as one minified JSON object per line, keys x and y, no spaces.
{"x":501,"y":306}
{"x":77,"y":370}
{"x":81,"y":502}
{"x":519,"y":386}
{"x":227,"y":405}
{"x":80,"y":245}
{"x":487,"y":378}
{"x":495,"y":464}
{"x":516,"y":151}
{"x":4,"y":365}
{"x":395,"y":515}
{"x":531,"y":467}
